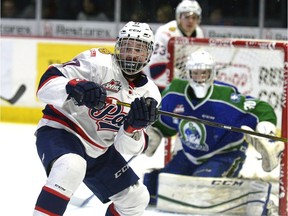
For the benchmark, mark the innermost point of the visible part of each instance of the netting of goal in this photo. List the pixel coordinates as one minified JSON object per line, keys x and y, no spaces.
{"x":257,"y":68}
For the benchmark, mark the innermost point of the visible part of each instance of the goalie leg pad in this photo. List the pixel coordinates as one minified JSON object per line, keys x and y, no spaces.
{"x":203,"y":195}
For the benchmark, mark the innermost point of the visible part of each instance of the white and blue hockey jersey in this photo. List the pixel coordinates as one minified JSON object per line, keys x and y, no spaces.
{"x":96,"y":129}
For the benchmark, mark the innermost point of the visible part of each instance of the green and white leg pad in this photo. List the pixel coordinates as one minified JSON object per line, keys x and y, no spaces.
{"x":217,"y":196}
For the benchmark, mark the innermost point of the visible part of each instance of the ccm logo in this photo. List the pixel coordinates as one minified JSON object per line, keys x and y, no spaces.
{"x":121,"y":171}
{"x":227,"y":182}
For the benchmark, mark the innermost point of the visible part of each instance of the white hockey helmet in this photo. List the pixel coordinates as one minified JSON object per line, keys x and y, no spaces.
{"x":200,"y":68}
{"x":188,"y":6}
{"x":134,"y":47}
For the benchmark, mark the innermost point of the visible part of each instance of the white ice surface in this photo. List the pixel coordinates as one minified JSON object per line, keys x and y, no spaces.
{"x":22,"y":175}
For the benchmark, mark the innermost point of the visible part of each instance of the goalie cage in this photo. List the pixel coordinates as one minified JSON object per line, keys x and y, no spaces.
{"x":257,"y":68}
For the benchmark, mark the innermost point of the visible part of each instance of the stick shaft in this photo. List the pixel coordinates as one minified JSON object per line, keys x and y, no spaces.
{"x":219,"y":125}
{"x":210,"y":123}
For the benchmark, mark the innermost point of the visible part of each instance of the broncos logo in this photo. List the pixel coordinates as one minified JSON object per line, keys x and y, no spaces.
{"x":193,"y":135}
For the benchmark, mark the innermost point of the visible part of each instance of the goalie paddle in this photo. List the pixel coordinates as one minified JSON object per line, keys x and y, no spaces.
{"x":210,"y":123}
{"x":17,"y":95}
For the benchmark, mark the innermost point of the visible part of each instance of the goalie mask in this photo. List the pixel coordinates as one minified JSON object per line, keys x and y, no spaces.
{"x":134,"y":47}
{"x":200,"y":69}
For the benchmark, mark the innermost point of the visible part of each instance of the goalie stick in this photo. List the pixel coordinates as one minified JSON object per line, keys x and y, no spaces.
{"x":17,"y":95}
{"x":206,"y":122}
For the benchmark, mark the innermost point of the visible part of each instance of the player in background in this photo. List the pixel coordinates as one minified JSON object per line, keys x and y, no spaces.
{"x":81,"y":136}
{"x":208,"y":151}
{"x":188,"y":17}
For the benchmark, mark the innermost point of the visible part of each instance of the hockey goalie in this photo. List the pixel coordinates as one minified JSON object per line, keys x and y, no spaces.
{"x":203,"y":175}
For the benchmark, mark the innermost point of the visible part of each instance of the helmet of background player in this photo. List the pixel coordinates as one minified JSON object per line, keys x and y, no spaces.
{"x":134,"y":47}
{"x":183,"y":12}
{"x":200,"y":69}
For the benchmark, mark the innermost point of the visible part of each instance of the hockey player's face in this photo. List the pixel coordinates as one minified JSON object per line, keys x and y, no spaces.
{"x":132,"y":55}
{"x":200,"y":76}
{"x":188,"y":22}
{"x":133,"y":50}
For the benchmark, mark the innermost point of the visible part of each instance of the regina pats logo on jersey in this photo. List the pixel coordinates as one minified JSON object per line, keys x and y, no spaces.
{"x":113,"y":86}
{"x":193,"y":135}
{"x":110,"y":118}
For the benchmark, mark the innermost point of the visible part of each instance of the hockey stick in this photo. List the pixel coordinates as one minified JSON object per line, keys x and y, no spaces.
{"x":81,"y":203}
{"x":210,"y":123}
{"x":17,"y":95}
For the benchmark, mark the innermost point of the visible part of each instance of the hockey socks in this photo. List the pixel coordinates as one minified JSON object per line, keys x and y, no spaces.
{"x":51,"y":202}
{"x":111,"y":211}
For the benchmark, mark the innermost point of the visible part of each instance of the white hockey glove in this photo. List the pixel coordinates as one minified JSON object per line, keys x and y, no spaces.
{"x":270,"y":150}
{"x":155,"y":137}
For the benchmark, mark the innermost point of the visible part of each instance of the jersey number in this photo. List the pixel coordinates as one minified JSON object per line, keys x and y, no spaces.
{"x":159,"y":49}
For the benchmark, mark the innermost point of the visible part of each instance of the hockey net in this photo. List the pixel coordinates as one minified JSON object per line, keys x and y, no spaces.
{"x":257,"y":68}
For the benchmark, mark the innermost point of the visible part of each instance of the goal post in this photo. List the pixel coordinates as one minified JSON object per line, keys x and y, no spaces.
{"x":258,"y":68}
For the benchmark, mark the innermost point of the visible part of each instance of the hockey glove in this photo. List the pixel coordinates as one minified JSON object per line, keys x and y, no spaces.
{"x":270,"y":150}
{"x":87,"y":93}
{"x":142,"y":113}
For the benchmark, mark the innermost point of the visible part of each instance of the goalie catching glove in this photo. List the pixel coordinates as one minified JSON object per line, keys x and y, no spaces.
{"x":270,"y":150}
{"x":87,"y":93}
{"x":143,"y":112}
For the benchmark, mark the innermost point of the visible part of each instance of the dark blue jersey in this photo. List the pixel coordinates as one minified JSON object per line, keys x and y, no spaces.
{"x":223,"y":104}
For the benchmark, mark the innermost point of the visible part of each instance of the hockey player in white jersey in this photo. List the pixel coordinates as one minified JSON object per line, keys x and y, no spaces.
{"x":81,"y":135}
{"x":188,"y":17}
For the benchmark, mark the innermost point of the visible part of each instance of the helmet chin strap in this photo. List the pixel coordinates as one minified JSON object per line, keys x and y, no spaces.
{"x":131,"y":77}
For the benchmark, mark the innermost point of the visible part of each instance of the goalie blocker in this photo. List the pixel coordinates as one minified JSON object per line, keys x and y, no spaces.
{"x":225,"y":196}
